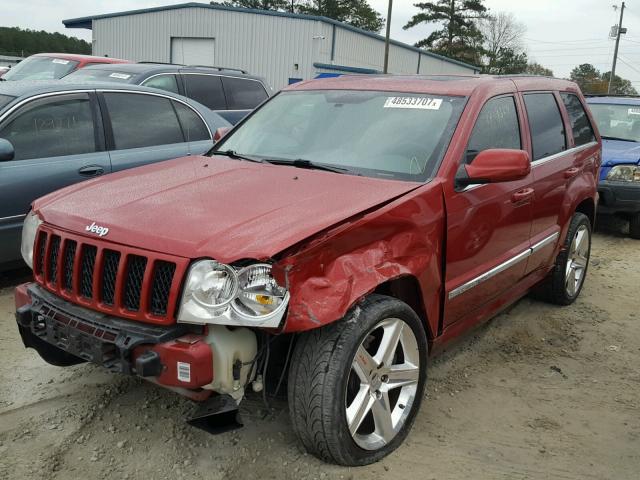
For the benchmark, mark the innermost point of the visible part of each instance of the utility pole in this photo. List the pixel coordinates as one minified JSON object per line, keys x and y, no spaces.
{"x":386,"y":39}
{"x":615,"y":51}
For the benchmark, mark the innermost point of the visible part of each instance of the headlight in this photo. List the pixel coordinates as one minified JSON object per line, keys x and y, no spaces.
{"x":29,"y":229}
{"x":218,"y":294}
{"x":624,"y":173}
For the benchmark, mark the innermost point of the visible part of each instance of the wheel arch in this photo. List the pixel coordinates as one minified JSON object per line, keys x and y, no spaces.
{"x":588,"y":208}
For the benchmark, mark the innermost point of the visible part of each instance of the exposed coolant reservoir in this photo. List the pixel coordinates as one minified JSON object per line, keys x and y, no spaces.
{"x":228,"y":346}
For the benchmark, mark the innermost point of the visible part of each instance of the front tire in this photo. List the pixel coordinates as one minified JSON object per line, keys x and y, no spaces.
{"x":355,"y":386}
{"x":565,"y":282}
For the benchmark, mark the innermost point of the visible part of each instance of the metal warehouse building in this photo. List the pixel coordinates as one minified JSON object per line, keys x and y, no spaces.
{"x":281,"y":47}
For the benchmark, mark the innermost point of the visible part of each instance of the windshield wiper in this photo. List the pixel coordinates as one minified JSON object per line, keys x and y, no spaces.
{"x":607,"y":137}
{"x":302,"y":163}
{"x":237,"y":156}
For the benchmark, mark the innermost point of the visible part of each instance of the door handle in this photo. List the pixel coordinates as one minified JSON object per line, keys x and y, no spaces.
{"x":91,"y":171}
{"x":522,"y":196}
{"x":572,"y":172}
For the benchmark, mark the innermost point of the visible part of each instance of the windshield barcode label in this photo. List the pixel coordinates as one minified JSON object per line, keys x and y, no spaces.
{"x":121,"y":76}
{"x":184,"y":372}
{"x":634,"y":111}
{"x":425,"y":103}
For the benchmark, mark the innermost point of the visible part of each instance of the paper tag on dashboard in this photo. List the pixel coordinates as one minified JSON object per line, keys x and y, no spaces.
{"x":634,"y":111}
{"x":60,"y":61}
{"x":121,"y":76}
{"x":425,"y":103}
{"x":184,"y":372}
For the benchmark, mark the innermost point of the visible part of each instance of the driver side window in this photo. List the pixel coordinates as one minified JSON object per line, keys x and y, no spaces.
{"x":497,"y":126}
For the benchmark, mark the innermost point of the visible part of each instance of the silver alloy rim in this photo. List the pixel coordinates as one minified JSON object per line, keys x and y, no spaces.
{"x":577,"y":261}
{"x":384,"y":398}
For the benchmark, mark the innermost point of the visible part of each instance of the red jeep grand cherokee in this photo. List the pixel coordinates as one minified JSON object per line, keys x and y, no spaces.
{"x":376,"y":218}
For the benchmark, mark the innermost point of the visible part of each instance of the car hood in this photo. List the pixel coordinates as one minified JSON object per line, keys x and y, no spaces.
{"x":616,"y":152}
{"x":215,"y":207}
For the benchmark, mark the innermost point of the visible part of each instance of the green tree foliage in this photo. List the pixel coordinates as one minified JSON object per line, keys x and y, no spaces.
{"x":591,"y":81}
{"x":14,"y":40}
{"x":505,"y":61}
{"x":535,"y":68}
{"x":459,"y":37}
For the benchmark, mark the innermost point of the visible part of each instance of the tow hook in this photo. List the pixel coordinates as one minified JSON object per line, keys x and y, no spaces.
{"x":217,"y":414}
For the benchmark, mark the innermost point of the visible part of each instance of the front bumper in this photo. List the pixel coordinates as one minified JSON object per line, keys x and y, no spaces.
{"x":618,"y":197}
{"x":65,"y":334}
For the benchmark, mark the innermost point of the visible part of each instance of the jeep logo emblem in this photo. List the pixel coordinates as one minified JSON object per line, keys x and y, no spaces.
{"x":100,"y":231}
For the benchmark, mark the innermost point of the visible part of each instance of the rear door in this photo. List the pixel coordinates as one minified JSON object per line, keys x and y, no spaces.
{"x":142,"y":128}
{"x":487,"y":225}
{"x":58,"y":141}
{"x":563,"y":144}
{"x":205,"y":89}
{"x":243,"y":95}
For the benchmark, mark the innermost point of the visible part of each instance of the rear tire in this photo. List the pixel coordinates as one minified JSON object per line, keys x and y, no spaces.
{"x":634,"y":226}
{"x":347,"y":406}
{"x":565,"y":282}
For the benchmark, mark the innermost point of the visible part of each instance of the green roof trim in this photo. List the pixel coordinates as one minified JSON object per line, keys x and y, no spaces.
{"x":86,"y":22}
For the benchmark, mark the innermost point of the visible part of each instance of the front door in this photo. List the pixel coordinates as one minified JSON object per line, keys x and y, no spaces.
{"x":56,"y":144}
{"x":488,"y":225}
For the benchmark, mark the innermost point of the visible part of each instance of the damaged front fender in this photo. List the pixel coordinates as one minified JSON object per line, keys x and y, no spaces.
{"x":327,"y":275}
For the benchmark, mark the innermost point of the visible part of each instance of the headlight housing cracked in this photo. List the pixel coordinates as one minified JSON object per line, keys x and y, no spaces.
{"x":218,"y":294}
{"x":29,"y":230}
{"x":624,"y":173}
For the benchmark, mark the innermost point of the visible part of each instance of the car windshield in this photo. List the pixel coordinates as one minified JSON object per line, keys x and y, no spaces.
{"x":99,"y":75}
{"x":381,"y":134}
{"x":620,"y":122}
{"x":41,"y":68}
{"x":5,"y":100}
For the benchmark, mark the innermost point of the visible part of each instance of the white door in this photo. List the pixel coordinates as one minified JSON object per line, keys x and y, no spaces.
{"x":192,"y":51}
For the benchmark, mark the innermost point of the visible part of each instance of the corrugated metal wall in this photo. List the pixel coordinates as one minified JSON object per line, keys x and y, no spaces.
{"x":270,"y":46}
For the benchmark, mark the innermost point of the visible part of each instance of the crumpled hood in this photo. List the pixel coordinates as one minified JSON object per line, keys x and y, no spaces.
{"x":616,"y":152}
{"x":215,"y":207}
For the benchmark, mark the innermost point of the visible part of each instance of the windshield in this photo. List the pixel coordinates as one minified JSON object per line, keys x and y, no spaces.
{"x":99,"y":75}
{"x":621,"y":122}
{"x":382,"y":134}
{"x":5,"y":99}
{"x":41,"y":68}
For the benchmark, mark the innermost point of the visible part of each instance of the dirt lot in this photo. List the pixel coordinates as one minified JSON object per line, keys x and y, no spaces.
{"x":538,"y":392}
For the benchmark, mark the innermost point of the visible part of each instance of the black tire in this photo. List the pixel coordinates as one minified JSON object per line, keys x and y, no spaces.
{"x":553,"y":289}
{"x":320,"y":374}
{"x":634,"y":226}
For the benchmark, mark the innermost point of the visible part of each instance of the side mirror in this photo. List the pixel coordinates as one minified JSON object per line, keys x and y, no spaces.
{"x":220,"y":132}
{"x":493,"y":166}
{"x":6,"y":150}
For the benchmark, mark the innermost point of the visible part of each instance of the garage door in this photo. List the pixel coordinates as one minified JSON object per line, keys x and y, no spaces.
{"x":192,"y":51}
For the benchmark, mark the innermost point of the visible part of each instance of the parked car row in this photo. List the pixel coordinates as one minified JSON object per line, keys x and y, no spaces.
{"x":368,"y":221}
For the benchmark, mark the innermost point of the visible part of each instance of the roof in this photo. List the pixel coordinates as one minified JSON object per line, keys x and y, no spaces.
{"x":36,"y":87}
{"x":149,"y":68}
{"x":433,"y":84}
{"x":76,"y":56}
{"x":614,"y":100}
{"x":87,"y":22}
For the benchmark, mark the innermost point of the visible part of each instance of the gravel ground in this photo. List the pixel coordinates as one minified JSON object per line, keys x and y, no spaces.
{"x":538,"y":392}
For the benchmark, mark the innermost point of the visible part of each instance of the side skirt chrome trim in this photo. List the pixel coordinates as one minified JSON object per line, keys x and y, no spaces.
{"x":501,"y":268}
{"x":14,"y":217}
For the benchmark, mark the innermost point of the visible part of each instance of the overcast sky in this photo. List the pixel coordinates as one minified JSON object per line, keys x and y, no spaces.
{"x":560,"y":34}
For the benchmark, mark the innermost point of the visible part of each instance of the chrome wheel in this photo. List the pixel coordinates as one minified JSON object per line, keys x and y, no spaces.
{"x":577,"y":261}
{"x":382,"y":384}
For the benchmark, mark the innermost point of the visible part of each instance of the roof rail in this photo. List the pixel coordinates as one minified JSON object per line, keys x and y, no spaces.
{"x":162,"y":63}
{"x":218,"y":68}
{"x":620,"y":95}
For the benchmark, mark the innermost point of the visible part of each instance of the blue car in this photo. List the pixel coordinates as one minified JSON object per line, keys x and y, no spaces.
{"x":54,"y":134}
{"x":618,"y":119}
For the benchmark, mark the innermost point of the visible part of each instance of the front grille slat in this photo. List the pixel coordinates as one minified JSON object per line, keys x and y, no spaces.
{"x":105,"y":277}
{"x":136,"y":265}
{"x":88,"y":263}
{"x":109,"y":274}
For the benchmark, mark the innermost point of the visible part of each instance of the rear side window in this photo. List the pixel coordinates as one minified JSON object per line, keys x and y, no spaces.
{"x":193,"y":127}
{"x":163,"y":82}
{"x":580,"y":124}
{"x":206,"y":89}
{"x":52,"y":127}
{"x":139,"y":120}
{"x":497,"y":126}
{"x":243,"y":94}
{"x":545,"y":122}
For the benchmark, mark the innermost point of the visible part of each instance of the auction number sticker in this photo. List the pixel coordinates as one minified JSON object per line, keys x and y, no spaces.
{"x":121,"y":76}
{"x":634,"y":111}
{"x":60,"y":61}
{"x":184,"y":371}
{"x":425,"y":103}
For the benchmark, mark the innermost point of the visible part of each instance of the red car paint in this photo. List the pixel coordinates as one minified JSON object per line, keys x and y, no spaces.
{"x":83,"y":60}
{"x":335,"y":238}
